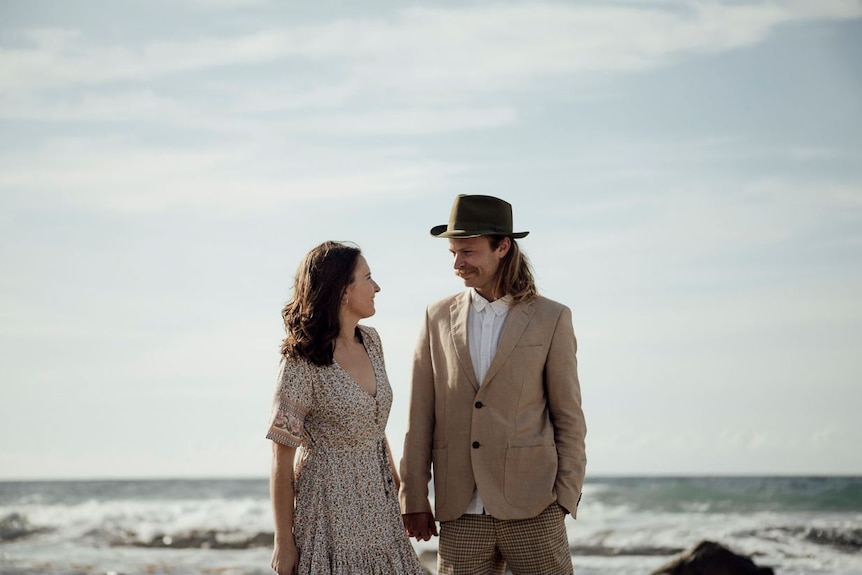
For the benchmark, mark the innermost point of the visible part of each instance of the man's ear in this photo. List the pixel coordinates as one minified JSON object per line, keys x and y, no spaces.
{"x":504,"y":246}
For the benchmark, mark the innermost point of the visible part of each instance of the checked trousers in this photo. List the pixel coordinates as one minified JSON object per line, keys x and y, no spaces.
{"x":482,"y":545}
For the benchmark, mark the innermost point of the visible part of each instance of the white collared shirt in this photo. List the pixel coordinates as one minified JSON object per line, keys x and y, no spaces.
{"x":484,"y":326}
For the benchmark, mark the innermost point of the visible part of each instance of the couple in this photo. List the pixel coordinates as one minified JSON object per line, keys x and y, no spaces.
{"x":495,"y":413}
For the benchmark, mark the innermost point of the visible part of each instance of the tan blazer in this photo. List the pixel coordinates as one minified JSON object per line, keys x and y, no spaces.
{"x":519,"y":437}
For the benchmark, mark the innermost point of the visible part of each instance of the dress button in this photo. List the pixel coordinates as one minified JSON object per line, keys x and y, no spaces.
{"x":475,"y":444}
{"x":478,"y":405}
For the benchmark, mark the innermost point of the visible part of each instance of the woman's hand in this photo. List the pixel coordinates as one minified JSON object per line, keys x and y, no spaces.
{"x":420,"y":525}
{"x":285,"y":558}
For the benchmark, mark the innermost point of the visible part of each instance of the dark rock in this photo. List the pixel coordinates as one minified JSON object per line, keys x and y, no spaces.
{"x":844,"y":539}
{"x":710,"y":558}
{"x":209,"y":539}
{"x":260,"y":540}
{"x":16,"y":526}
{"x":607,"y":551}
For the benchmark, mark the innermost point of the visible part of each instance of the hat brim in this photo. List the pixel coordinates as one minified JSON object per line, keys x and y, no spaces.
{"x":442,"y":231}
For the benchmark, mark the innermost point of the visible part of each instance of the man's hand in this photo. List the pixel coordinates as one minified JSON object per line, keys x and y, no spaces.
{"x":420,"y":525}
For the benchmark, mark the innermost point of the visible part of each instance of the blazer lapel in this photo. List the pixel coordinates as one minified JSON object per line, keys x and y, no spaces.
{"x":459,"y":315}
{"x":516,"y":322}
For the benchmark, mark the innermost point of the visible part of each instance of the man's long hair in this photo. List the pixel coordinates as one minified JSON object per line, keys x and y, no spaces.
{"x":515,"y":274}
{"x":311,"y":318}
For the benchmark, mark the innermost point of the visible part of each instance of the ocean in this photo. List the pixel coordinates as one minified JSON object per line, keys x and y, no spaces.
{"x":625,"y":525}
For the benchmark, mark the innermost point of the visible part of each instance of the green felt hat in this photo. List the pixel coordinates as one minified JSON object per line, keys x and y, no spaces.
{"x":473,"y":216}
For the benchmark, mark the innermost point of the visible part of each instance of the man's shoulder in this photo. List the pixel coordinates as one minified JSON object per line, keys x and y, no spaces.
{"x":550,"y":315}
{"x":443,"y":304}
{"x":547,"y":305}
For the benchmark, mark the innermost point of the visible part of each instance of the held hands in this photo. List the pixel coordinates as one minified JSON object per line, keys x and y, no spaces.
{"x":285,"y":558}
{"x":420,"y":525}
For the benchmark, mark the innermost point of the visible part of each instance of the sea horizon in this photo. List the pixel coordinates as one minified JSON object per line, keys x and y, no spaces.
{"x":595,"y":476}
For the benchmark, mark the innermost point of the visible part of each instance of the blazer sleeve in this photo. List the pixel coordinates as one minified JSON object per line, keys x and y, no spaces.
{"x":416,"y":460}
{"x":567,"y":415}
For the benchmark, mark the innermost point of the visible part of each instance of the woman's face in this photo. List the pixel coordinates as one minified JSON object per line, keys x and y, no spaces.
{"x":359,"y":296}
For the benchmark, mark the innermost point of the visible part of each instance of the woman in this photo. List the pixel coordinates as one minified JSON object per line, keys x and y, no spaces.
{"x":341,"y":514}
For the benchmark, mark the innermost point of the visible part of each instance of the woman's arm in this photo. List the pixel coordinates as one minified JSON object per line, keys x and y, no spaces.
{"x":285,"y":558}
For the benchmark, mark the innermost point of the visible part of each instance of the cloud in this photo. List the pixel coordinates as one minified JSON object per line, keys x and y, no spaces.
{"x":57,"y":58}
{"x":415,"y":121}
{"x":116,"y":174}
{"x":128,"y":105}
{"x":418,"y":71}
{"x":227,"y":3}
{"x":431,"y":51}
{"x":713,"y":217}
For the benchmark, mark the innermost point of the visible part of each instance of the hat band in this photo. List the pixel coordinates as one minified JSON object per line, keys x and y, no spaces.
{"x":478,"y":227}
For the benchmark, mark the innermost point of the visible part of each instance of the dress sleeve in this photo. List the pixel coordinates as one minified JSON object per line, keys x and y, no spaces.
{"x":291,"y":403}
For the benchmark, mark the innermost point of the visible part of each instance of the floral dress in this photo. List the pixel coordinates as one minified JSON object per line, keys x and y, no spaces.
{"x":347,"y":519}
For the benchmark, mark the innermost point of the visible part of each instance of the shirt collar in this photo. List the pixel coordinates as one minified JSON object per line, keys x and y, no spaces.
{"x":499,"y":306}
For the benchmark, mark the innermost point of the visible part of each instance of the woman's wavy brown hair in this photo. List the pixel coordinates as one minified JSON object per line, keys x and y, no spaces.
{"x":311,"y":317}
{"x":515,"y":274}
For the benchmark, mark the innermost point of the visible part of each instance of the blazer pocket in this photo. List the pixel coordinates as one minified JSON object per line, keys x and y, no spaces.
{"x":529,"y":345}
{"x":530,"y":474}
{"x":439,"y":460}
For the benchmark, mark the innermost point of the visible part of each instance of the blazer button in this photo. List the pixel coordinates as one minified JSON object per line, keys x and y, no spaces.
{"x":475,"y":445}
{"x":478,"y":405}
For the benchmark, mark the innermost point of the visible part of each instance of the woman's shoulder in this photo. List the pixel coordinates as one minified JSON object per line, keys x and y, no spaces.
{"x":368,"y":331}
{"x":371,"y":334}
{"x":371,"y":339}
{"x":297,"y":365}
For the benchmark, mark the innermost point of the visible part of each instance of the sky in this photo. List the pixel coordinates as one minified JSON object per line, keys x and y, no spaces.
{"x":690,"y":174}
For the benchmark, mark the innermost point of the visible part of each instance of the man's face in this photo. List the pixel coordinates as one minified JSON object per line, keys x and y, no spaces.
{"x":476,"y":263}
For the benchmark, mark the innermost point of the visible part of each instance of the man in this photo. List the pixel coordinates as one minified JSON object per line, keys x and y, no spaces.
{"x":495,"y":409}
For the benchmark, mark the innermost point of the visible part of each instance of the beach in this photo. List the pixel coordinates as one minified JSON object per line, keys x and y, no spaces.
{"x":625,"y":525}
